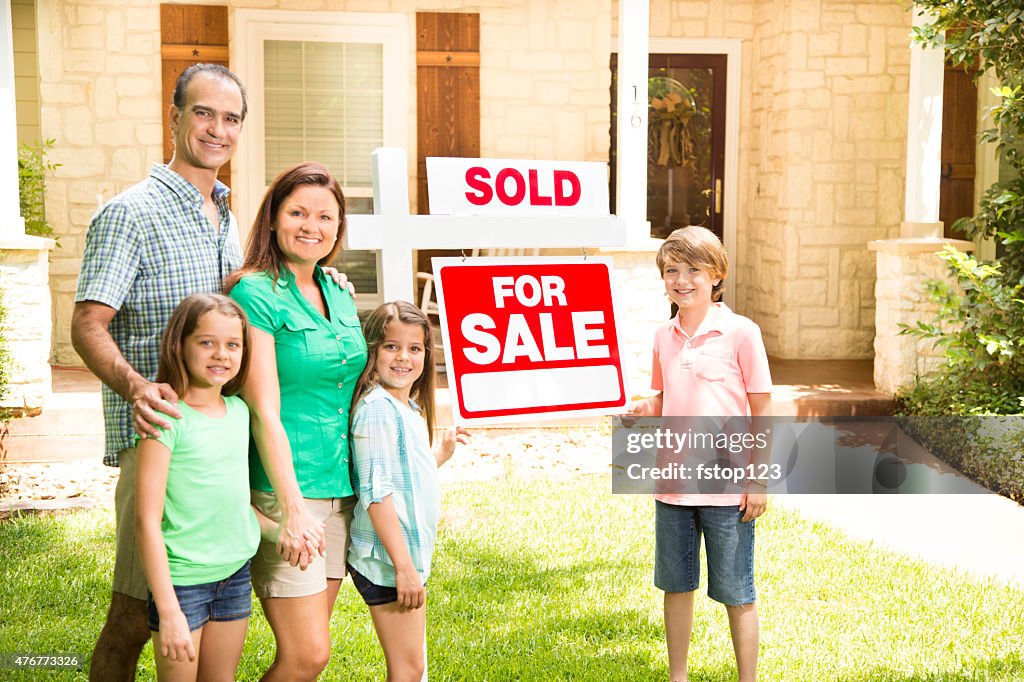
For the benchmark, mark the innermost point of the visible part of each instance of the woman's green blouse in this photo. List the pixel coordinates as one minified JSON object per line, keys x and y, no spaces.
{"x":319,"y":361}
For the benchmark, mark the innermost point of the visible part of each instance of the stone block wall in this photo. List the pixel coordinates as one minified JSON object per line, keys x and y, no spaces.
{"x":26,"y":296}
{"x":904,"y":266}
{"x":544,"y":94}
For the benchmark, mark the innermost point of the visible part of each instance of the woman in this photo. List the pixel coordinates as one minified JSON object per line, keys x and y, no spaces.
{"x":307,"y":354}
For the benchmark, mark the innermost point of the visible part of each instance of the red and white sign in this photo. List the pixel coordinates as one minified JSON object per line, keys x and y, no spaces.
{"x":521,"y":187}
{"x":529,"y":336}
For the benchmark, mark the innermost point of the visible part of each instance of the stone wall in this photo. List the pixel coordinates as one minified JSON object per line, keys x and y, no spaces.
{"x":26,"y":296}
{"x":904,"y":266}
{"x":544,"y":94}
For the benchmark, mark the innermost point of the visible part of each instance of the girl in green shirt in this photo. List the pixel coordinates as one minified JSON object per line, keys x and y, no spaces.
{"x":196,"y":529}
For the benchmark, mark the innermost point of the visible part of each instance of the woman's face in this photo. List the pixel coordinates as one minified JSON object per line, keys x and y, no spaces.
{"x":307,"y":224}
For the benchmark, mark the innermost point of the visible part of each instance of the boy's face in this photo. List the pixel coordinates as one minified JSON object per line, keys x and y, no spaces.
{"x":688,"y":285}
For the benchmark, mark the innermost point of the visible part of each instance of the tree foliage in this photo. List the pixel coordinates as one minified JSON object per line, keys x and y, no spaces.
{"x":980,"y":323}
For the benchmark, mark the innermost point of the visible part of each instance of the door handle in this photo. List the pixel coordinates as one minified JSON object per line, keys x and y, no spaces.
{"x":718,"y":195}
{"x":946,"y":171}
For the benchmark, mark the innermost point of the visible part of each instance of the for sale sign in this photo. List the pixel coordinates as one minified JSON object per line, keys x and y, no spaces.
{"x":529,"y":337}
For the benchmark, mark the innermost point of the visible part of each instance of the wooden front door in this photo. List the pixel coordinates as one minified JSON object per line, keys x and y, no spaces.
{"x":959,"y":142}
{"x":686,"y":141}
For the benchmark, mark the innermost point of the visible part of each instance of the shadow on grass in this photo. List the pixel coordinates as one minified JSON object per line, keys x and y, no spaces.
{"x":1009,"y":667}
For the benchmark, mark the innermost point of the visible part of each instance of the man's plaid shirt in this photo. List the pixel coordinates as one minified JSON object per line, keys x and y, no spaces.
{"x":146,"y":250}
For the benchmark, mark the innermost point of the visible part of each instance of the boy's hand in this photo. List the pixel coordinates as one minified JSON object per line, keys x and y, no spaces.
{"x":753,"y":503}
{"x":175,"y":637}
{"x":411,"y":593}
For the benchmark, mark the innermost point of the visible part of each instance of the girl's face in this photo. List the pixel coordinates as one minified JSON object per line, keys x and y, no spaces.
{"x":687,"y":285}
{"x":307,"y":224}
{"x":213,"y":351}
{"x":400,"y":358}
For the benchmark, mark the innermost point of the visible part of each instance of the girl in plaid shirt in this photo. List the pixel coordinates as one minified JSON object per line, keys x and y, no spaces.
{"x":395,"y":477}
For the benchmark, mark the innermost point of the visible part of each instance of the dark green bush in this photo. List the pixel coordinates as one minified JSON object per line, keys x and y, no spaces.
{"x":32,"y":169}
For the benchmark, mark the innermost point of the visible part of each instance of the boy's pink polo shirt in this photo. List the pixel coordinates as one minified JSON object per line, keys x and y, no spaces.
{"x":709,"y":374}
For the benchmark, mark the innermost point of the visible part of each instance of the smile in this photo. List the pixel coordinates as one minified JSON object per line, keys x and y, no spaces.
{"x":308,"y":240}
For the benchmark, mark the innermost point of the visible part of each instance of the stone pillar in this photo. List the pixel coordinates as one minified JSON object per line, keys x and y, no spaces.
{"x":631,"y":126}
{"x":640,"y":312}
{"x":24,"y":261}
{"x":903,"y":267}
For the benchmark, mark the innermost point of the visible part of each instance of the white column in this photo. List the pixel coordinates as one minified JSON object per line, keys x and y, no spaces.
{"x":391,"y":198}
{"x":12,"y":226}
{"x":924,"y":140}
{"x":631,"y":127}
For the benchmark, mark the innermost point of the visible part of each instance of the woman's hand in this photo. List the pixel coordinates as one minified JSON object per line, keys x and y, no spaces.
{"x":175,"y":637}
{"x":450,"y":438}
{"x":301,"y":537}
{"x":411,"y":593}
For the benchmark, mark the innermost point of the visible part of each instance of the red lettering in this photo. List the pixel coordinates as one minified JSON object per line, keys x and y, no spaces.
{"x":474,"y":178}
{"x":501,"y":191}
{"x":573,"y":197}
{"x":536,"y":199}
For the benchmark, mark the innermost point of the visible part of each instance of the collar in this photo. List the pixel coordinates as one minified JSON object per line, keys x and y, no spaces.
{"x":286,"y":277}
{"x":184,"y":189}
{"x":378,"y":393}
{"x":716,"y":320}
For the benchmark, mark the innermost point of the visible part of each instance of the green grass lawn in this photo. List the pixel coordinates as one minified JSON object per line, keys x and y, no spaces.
{"x":552,"y":581}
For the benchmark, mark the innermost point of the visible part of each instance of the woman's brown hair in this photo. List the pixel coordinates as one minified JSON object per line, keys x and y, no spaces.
{"x":262,"y":254}
{"x":184,"y":320}
{"x":375,"y":330}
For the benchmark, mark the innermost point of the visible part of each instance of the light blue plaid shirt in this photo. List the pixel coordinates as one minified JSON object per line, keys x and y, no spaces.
{"x":146,"y":250}
{"x":391,"y":455}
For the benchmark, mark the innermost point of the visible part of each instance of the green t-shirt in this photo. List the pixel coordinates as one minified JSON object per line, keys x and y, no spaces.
{"x":319,"y":361}
{"x":209,"y":528}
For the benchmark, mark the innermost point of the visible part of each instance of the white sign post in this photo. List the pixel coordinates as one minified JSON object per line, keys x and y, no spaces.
{"x":396,"y":233}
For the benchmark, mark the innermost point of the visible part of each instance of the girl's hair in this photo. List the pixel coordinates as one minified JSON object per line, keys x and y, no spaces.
{"x":183,"y":322}
{"x":262,"y":254}
{"x":697,"y":246}
{"x":375,"y":330}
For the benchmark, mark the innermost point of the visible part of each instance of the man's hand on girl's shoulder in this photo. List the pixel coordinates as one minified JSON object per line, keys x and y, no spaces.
{"x":340,"y":278}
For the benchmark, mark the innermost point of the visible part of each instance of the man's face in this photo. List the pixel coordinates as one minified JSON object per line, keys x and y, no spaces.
{"x":207,"y":128}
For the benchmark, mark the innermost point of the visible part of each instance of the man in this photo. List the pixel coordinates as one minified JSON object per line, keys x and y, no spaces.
{"x":161,"y":240}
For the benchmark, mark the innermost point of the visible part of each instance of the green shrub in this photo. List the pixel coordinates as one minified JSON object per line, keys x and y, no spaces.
{"x":980,"y":324}
{"x":32,"y":169}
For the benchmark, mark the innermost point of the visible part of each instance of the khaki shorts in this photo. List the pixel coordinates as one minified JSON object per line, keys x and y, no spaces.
{"x":272,"y":576}
{"x":129,"y":576}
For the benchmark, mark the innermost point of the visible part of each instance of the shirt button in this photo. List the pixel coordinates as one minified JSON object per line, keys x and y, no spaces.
{"x":341,"y":410}
{"x":344,"y":362}
{"x":344,"y":437}
{"x":337,"y":337}
{"x":341,"y":385}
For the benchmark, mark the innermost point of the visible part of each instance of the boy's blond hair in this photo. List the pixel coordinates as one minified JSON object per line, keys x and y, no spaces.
{"x":697,"y":246}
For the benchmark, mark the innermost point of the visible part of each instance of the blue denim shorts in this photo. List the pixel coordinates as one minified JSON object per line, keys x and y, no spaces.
{"x":223,"y":600}
{"x":728,"y":542}
{"x":372,"y":593}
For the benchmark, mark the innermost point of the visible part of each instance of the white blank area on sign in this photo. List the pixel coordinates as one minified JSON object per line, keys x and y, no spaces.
{"x":563,"y":386}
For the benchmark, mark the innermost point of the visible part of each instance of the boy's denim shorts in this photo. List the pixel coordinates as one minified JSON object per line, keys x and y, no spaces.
{"x":730,"y":551}
{"x":223,"y":600}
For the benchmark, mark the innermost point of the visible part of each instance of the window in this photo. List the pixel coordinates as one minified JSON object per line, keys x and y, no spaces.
{"x":329,"y":87}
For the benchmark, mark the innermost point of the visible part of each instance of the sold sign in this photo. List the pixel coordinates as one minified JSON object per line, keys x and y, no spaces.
{"x":506,"y":186}
{"x":529,"y":336}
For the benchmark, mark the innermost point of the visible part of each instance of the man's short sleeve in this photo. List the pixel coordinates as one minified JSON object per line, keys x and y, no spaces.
{"x":255,"y":294}
{"x":112,"y":257}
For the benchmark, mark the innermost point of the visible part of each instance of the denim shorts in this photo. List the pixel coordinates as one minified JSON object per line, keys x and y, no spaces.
{"x":372,"y":593}
{"x":728,"y":542}
{"x":223,"y":600}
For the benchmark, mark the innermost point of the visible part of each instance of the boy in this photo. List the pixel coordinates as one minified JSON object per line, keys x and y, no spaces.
{"x":708,"y":361}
